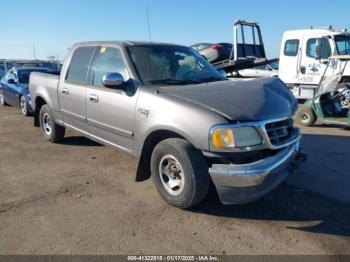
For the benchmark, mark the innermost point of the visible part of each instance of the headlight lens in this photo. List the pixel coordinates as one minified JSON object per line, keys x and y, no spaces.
{"x":224,"y":138}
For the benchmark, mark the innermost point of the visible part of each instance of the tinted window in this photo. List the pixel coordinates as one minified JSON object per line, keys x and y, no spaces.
{"x":108,"y":60}
{"x":79,"y":65}
{"x":23,"y":76}
{"x":311,"y":47}
{"x":291,"y":47}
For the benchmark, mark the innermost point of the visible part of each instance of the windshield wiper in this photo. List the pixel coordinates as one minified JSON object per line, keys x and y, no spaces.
{"x":170,"y":81}
{"x":212,"y":79}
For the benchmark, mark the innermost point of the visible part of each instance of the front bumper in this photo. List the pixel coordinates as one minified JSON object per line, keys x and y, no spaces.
{"x":238,"y":184}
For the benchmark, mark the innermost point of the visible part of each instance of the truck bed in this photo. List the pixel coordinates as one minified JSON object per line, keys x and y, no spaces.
{"x":40,"y":83}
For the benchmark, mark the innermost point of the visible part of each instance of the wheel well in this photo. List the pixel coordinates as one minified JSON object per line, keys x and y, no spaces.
{"x":39,"y":102}
{"x":144,"y":167}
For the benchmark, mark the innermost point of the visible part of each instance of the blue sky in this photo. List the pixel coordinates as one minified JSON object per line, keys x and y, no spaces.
{"x":53,"y":26}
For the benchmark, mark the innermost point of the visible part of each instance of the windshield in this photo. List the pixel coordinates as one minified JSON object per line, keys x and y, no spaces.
{"x":23,"y":76}
{"x":165,"y":64}
{"x":343,"y":45}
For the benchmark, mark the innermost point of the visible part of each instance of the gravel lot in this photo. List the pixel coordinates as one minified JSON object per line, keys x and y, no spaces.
{"x":79,"y":197}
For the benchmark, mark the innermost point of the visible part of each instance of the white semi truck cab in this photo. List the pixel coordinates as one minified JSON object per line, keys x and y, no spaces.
{"x":304,"y":56}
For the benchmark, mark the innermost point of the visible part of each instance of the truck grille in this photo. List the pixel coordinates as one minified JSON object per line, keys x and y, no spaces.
{"x":281,"y":132}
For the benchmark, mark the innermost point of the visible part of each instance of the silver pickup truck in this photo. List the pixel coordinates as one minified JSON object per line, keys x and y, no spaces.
{"x":168,"y":107}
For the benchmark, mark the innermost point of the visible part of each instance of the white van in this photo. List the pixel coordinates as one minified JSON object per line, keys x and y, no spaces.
{"x":304,"y":56}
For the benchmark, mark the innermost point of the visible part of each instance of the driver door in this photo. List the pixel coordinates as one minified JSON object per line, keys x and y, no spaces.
{"x":10,"y":90}
{"x":111,"y":111}
{"x":311,"y":68}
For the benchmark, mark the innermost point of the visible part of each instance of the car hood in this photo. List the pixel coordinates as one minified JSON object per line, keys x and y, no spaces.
{"x":243,"y":100}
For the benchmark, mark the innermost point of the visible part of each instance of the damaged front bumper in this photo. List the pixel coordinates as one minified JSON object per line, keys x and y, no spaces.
{"x":243,"y":183}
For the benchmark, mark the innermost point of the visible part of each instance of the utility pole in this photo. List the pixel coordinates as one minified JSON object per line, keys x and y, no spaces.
{"x":149,"y":24}
{"x":34,"y":52}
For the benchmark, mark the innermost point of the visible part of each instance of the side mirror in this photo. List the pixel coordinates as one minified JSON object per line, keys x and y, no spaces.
{"x":222,"y":73}
{"x":112,"y":80}
{"x":11,"y":81}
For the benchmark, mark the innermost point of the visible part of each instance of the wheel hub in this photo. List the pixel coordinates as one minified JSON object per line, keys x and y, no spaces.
{"x":23,"y":105}
{"x":2,"y":99}
{"x":47,"y":124}
{"x":171,"y":175}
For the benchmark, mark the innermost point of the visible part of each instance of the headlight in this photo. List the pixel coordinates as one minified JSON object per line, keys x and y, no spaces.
{"x":226,"y":138}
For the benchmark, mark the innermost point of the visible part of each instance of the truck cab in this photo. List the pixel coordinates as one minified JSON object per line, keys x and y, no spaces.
{"x":304,"y":56}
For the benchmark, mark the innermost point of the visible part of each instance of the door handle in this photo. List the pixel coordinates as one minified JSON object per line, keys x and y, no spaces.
{"x":94,"y":98}
{"x":65,"y":91}
{"x":303,"y":69}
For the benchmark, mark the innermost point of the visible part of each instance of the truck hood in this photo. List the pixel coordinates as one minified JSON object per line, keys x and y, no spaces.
{"x":244,"y":100}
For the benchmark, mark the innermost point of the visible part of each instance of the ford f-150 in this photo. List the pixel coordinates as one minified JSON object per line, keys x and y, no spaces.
{"x":167,"y":106}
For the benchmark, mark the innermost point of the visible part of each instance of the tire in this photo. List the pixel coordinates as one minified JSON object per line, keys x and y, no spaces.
{"x":179,"y":172}
{"x":306,"y":116}
{"x":23,"y":106}
{"x":49,"y":129}
{"x":2,"y":99}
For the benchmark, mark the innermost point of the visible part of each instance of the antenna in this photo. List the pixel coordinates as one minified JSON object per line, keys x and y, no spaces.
{"x":149,"y":24}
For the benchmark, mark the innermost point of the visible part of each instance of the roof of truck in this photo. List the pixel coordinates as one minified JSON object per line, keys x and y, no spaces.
{"x":316,"y":31}
{"x":120,"y":43}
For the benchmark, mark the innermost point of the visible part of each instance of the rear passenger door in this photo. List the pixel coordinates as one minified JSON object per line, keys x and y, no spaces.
{"x":72,"y":91}
{"x":110,"y":112}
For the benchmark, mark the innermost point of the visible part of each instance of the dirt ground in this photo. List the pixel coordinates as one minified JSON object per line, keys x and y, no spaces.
{"x":79,"y":197}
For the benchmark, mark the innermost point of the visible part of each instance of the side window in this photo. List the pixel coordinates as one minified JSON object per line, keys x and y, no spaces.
{"x":11,"y":75}
{"x":311,"y":48}
{"x":79,"y":65}
{"x":291,"y":47}
{"x":108,"y":60}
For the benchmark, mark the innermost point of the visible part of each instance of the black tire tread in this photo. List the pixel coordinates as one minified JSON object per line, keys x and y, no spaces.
{"x":198,"y":166}
{"x":306,"y":109}
{"x":58,"y":131}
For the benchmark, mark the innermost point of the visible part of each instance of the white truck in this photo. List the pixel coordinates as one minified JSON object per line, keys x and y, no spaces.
{"x":304,"y":56}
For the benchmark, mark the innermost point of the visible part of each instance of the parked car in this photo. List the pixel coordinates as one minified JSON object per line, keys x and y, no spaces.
{"x":14,"y":88}
{"x":166,"y":105}
{"x":4,"y":66}
{"x":213,"y":52}
{"x":53,"y":66}
{"x":269,"y":70}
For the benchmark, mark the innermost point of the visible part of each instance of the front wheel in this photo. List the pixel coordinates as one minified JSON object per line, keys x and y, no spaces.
{"x":2,"y":99}
{"x":306,"y":116}
{"x":50,"y":130}
{"x":179,"y":172}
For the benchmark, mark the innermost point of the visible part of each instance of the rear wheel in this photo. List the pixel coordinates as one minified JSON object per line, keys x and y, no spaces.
{"x":23,"y":106}
{"x":306,"y":116}
{"x":50,"y":130}
{"x":2,"y":99}
{"x":179,"y":172}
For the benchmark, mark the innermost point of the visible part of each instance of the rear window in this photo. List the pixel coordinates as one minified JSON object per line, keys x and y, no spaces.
{"x":79,"y":65}
{"x":291,"y":47}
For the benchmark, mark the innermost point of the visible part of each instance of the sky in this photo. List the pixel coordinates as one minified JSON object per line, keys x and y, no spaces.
{"x":52,"y":26}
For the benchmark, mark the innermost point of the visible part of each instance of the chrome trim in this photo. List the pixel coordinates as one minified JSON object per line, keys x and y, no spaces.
{"x":261,"y":128}
{"x":252,"y":174}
